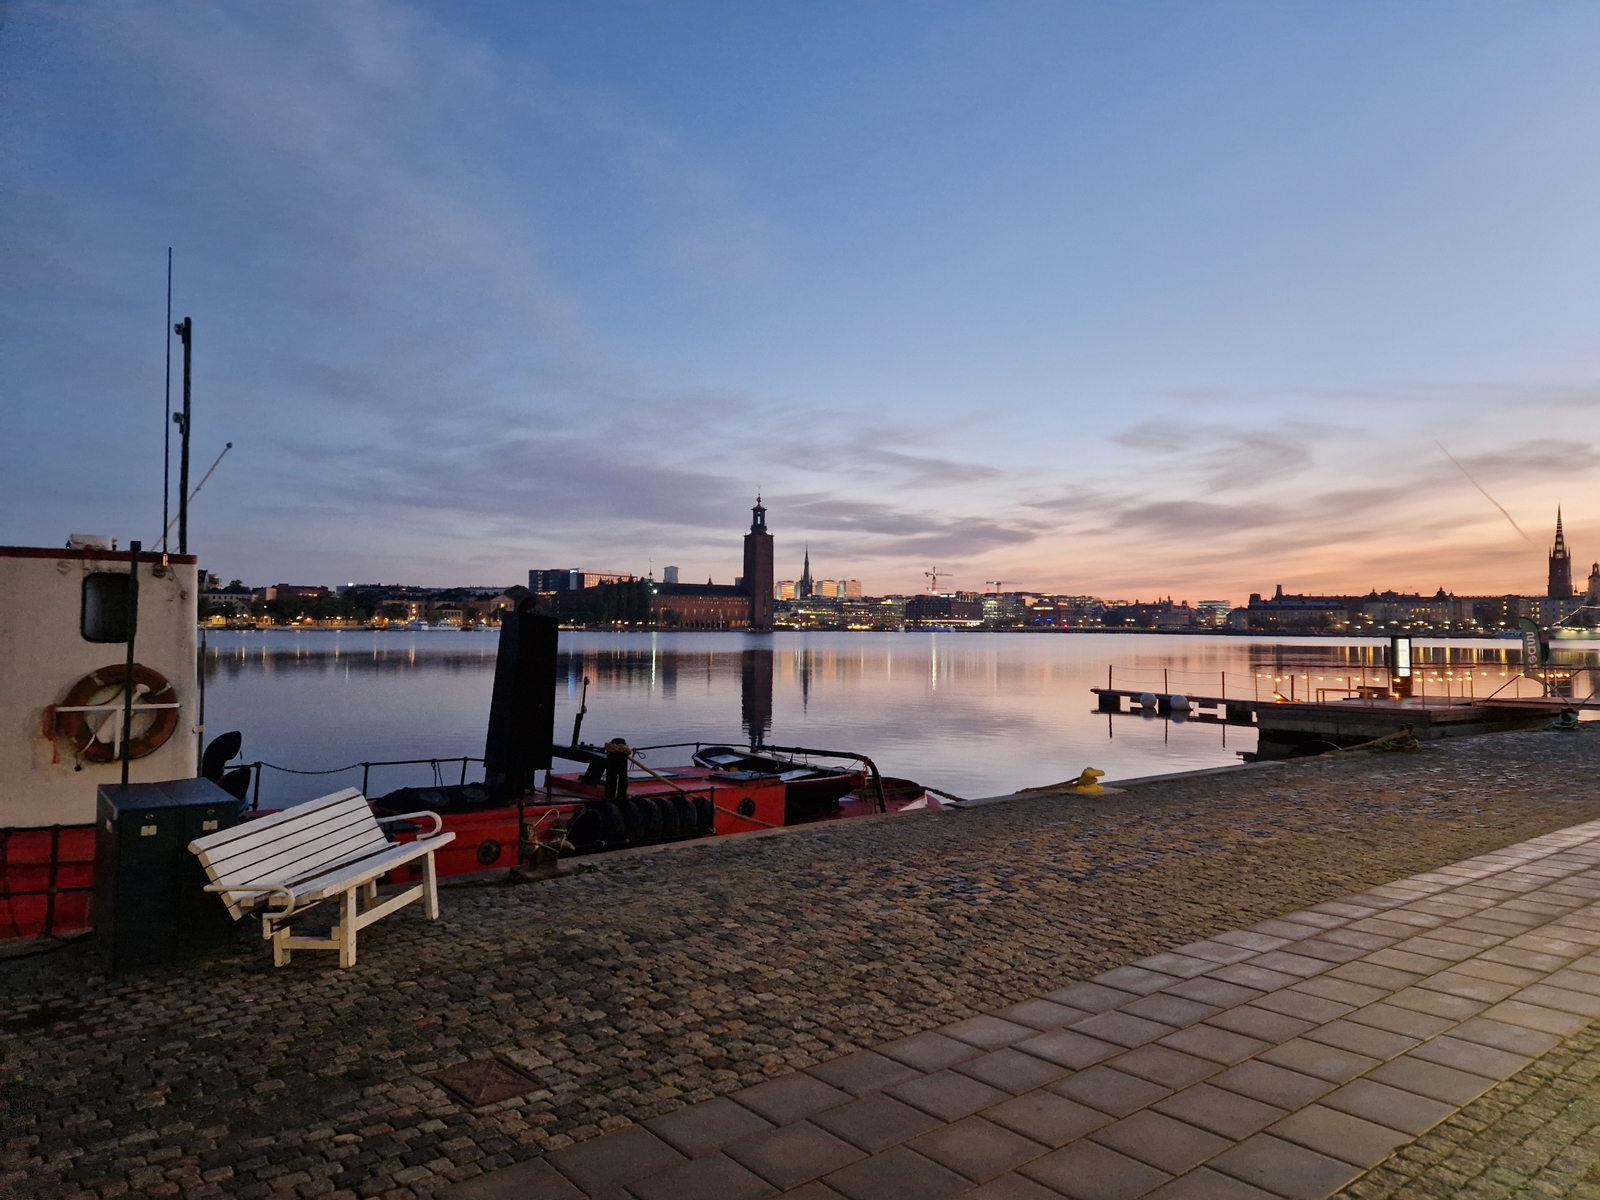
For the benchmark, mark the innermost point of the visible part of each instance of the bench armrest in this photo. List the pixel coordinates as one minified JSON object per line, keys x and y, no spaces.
{"x":438,"y":822}
{"x":279,"y":888}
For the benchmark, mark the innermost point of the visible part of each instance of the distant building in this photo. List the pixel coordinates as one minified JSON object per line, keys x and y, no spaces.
{"x":850,"y":589}
{"x":573,"y":579}
{"x":784,"y":589}
{"x":1283,"y":612}
{"x":669,"y":574}
{"x":285,"y":591}
{"x":1560,"y":587}
{"x":1214,"y":612}
{"x":944,"y":610}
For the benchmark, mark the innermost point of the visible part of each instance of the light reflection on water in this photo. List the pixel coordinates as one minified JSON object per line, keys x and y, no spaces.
{"x":973,"y":713}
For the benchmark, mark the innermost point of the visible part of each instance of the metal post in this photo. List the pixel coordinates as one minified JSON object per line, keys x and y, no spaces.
{"x":185,"y":332}
{"x":127,"y":679}
{"x":200,"y":731}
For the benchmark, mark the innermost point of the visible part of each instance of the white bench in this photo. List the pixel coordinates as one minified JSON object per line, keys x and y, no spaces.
{"x":320,"y":850}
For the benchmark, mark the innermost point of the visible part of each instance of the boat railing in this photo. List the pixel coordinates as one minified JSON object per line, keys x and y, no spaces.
{"x":437,"y":764}
{"x":873,"y":773}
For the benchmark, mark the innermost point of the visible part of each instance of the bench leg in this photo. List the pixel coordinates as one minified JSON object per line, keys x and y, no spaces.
{"x":430,"y":882}
{"x":346,"y":931}
{"x":280,"y":946}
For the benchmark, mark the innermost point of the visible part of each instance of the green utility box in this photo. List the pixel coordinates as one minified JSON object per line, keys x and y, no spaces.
{"x":150,"y":902}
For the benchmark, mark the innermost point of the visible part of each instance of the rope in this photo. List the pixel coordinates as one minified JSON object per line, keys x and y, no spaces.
{"x":946,"y":795}
{"x":742,"y":817}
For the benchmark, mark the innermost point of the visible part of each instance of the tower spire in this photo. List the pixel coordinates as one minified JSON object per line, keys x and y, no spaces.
{"x":803,"y":588}
{"x":1560,"y":585}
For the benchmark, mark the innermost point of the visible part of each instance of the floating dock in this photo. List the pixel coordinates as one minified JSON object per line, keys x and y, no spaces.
{"x":1291,"y":728}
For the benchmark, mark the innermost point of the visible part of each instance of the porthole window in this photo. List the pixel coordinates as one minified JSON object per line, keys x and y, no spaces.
{"x":105,"y":607}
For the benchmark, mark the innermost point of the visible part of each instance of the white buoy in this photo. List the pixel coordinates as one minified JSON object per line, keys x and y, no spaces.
{"x":1148,"y":700}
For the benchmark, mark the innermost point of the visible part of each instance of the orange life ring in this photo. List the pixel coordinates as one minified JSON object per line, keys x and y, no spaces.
{"x":76,"y":730}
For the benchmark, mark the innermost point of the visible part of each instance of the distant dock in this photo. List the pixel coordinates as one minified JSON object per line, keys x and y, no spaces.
{"x":1290,"y":728}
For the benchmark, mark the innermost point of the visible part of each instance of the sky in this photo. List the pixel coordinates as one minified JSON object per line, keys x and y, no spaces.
{"x":1121,"y":299}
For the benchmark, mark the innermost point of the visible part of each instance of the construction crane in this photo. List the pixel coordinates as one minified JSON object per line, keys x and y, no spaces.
{"x":933,"y":580}
{"x":994,"y":585}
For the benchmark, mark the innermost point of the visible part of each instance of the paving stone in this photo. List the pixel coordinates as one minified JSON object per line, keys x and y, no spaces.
{"x":1225,"y":1113}
{"x":861,"y":1073}
{"x":1314,"y":1058}
{"x":1419,"y":964}
{"x":1395,"y":1019}
{"x":875,"y":1122}
{"x":1217,"y":992}
{"x":1340,"y":1135}
{"x":1361,"y":1039}
{"x":1179,"y":964}
{"x":1260,"y":943}
{"x":898,"y":1174}
{"x":1284,"y":1168}
{"x":1110,"y":1091}
{"x":1048,"y":1119}
{"x":1216,"y":952}
{"x":1438,"y":1082}
{"x":1502,"y":1036}
{"x":1274,"y":1085}
{"x":947,"y":1095}
{"x":1205,"y":1184}
{"x":1042,"y":1015}
{"x":977,"y":1148}
{"x":1218,"y":1045}
{"x":1437,"y":1004}
{"x":1162,"y":1141}
{"x":625,"y":1155}
{"x":712,"y":1177}
{"x":1453,"y":983}
{"x":929,"y":1051}
{"x":1012,"y":1186}
{"x":1160,"y":1064}
{"x":987,"y":1032}
{"x":1579,"y":1003}
{"x":1089,"y":1171}
{"x":1524,"y":958}
{"x":1249,"y":975}
{"x":1012,"y":1071}
{"x":1259,"y":1023}
{"x":1121,"y":1029}
{"x":1365,"y":940}
{"x":1341,"y":991}
{"x":1384,"y":1105}
{"x":794,"y":1154}
{"x":1068,"y":1048}
{"x":1300,"y":965}
{"x":1326,"y":951}
{"x":1373,"y":975}
{"x":1175,"y":1010}
{"x":1469,"y":1056}
{"x":1090,"y":997}
{"x":1294,"y":1003}
{"x":702,"y":1128}
{"x":1534,"y":1016}
{"x":1135,"y":979}
{"x":790,"y":1098}
{"x":1573,"y":981}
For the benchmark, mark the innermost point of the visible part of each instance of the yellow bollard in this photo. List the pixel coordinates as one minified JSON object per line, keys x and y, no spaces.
{"x":1089,"y":781}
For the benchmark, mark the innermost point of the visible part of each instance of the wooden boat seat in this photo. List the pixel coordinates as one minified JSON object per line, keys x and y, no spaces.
{"x":329,"y":848}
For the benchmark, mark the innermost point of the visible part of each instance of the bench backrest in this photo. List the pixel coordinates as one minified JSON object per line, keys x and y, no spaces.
{"x":290,"y":845}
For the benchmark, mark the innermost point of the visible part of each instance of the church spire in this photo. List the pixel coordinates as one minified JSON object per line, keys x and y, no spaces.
{"x":1560,"y":585}
{"x":803,"y":588}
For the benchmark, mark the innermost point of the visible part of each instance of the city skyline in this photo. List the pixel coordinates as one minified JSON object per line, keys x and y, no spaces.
{"x":1104,"y":301}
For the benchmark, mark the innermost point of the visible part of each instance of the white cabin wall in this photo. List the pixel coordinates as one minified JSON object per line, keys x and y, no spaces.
{"x":42,"y":654}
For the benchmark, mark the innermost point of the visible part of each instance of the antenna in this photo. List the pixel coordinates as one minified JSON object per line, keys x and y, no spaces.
{"x":200,"y":485}
{"x":166,"y":421}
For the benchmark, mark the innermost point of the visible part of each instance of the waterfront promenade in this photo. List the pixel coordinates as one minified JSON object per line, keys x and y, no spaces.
{"x":639,"y":997}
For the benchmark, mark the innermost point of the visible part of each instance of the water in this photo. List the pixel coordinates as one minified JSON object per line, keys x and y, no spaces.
{"x":976,"y":714}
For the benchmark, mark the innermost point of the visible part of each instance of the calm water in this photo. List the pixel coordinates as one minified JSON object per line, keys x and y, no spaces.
{"x":976,"y":714}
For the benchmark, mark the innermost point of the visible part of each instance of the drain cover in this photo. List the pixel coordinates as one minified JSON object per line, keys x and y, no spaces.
{"x":485,"y":1081}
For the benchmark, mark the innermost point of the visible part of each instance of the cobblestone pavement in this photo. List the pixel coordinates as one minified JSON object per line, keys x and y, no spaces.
{"x":667,"y":979}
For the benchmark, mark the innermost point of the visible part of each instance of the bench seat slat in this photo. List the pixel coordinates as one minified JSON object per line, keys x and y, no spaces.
{"x":296,"y":859}
{"x":264,"y":826}
{"x":251,"y":842}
